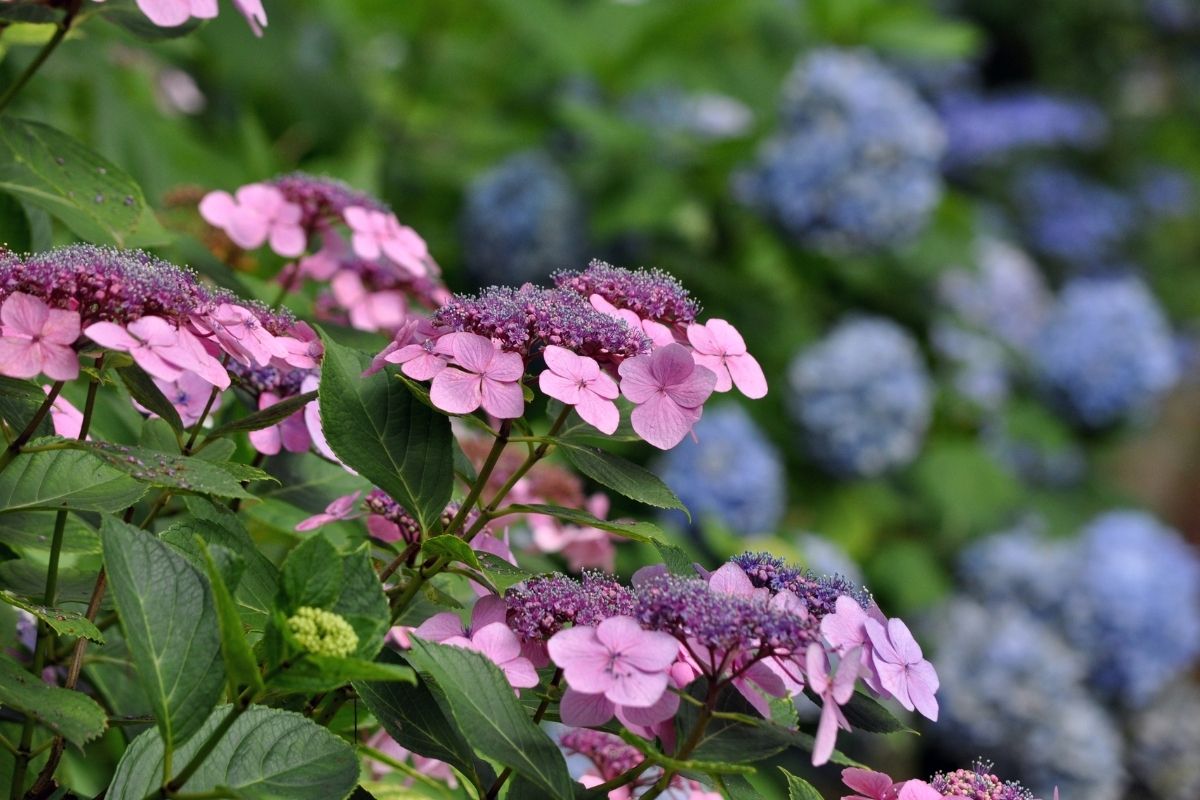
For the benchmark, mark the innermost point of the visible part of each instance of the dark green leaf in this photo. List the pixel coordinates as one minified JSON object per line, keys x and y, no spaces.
{"x":19,"y":401}
{"x":676,"y":558}
{"x":144,"y":390}
{"x":501,"y":573}
{"x":265,"y":418}
{"x":170,"y":625}
{"x":866,"y":713}
{"x":378,"y":427}
{"x":27,"y":12}
{"x":798,"y":788}
{"x":64,"y":623}
{"x":623,"y":477}
{"x":27,"y":578}
{"x":362,"y":602}
{"x":240,"y":663}
{"x":72,"y":479}
{"x":481,"y":702}
{"x":73,"y":715}
{"x":267,"y":754}
{"x":312,"y":574}
{"x":179,"y":473}
{"x":453,"y":548}
{"x":317,"y":673}
{"x":33,"y":530}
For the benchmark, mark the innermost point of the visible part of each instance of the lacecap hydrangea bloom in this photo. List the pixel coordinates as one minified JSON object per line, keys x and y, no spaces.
{"x":855,"y":163}
{"x":977,"y":782}
{"x":1072,"y":218}
{"x":861,"y":397}
{"x":730,"y":473}
{"x":522,"y":220}
{"x":1106,"y":352}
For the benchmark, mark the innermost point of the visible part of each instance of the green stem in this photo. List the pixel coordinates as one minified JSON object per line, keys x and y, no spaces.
{"x":212,"y":398}
{"x":14,"y":447}
{"x":685,"y":749}
{"x":489,"y":464}
{"x":59,"y":34}
{"x":171,"y":787}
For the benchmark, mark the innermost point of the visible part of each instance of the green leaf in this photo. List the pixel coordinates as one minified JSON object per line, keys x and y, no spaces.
{"x":64,"y":623}
{"x":317,"y":673}
{"x":170,"y":625}
{"x":377,"y":427}
{"x":240,"y":663}
{"x":624,"y":477}
{"x":27,"y":578}
{"x":798,"y":788}
{"x":452,"y":548}
{"x":267,"y":754}
{"x":638,"y":531}
{"x":312,"y":574}
{"x":501,"y":573}
{"x":676,"y":558}
{"x":265,"y":418}
{"x":866,"y":713}
{"x":184,"y":474}
{"x":362,"y":602}
{"x":33,"y":530}
{"x":87,"y":192}
{"x":481,"y":702}
{"x":411,"y":715}
{"x":74,"y":479}
{"x":143,"y":389}
{"x":28,"y":13}
{"x":73,"y":715}
{"x":688,"y":765}
{"x":20,"y":400}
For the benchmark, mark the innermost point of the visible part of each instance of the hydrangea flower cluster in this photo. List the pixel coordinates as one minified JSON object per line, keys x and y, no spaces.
{"x":855,"y":165}
{"x":862,"y":397}
{"x":596,"y":757}
{"x":983,"y":129}
{"x":322,"y":632}
{"x":179,"y":331}
{"x":372,"y":263}
{"x":1106,"y":352}
{"x":756,"y":624}
{"x":522,"y":221}
{"x":731,"y":473}
{"x":1072,"y":218}
{"x":975,"y":783}
{"x":601,"y":333}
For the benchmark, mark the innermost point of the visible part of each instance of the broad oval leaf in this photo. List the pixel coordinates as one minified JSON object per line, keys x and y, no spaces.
{"x":376,"y":426}
{"x":170,"y":626}
{"x":189,"y":474}
{"x":73,"y":715}
{"x":73,"y":479}
{"x":266,"y":754}
{"x":34,"y":530}
{"x":623,"y":477}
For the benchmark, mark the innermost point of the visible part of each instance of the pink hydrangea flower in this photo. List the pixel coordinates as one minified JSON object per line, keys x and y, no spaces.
{"x":303,"y":347}
{"x":488,"y":634}
{"x":669,"y":390}
{"x":37,"y":339}
{"x":66,"y":418}
{"x":721,"y":348}
{"x":341,"y":508}
{"x":376,"y":233}
{"x":902,"y":670}
{"x":189,"y":394}
{"x":383,"y":310}
{"x":577,"y":381}
{"x":846,"y":630}
{"x":258,"y":214}
{"x":869,"y":785}
{"x":835,"y":691}
{"x":289,"y":434}
{"x":617,"y":659}
{"x":151,"y":341}
{"x":484,"y":375}
{"x":240,"y":334}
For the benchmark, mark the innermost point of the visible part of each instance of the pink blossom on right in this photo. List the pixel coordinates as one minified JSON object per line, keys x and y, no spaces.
{"x":618,"y":659}
{"x":669,"y":389}
{"x":577,"y":381}
{"x":902,"y":669}
{"x":37,"y":339}
{"x":721,"y":348}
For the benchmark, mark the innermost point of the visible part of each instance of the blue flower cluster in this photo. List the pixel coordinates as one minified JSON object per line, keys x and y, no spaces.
{"x":522,"y":221}
{"x":1106,"y":353}
{"x":985,"y":129}
{"x":732,"y":474}
{"x":1072,"y":218}
{"x":1165,"y":741}
{"x":862,"y":397}
{"x":854,"y":165}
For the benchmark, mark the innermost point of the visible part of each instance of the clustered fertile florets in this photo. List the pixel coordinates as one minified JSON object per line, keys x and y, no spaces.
{"x":651,"y":294}
{"x":540,"y":607}
{"x":322,"y":199}
{"x":322,"y":632}
{"x":819,"y":592}
{"x":978,"y":783}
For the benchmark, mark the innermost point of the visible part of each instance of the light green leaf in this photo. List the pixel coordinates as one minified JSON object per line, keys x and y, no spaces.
{"x":798,"y":788}
{"x":221,"y":565}
{"x":676,"y":558}
{"x":623,"y":477}
{"x":170,"y":626}
{"x":376,"y":426}
{"x":183,"y":474}
{"x":64,"y":623}
{"x":72,"y":479}
{"x":73,"y":715}
{"x":34,"y":530}
{"x":362,"y":602}
{"x":312,"y":574}
{"x":267,"y":754}
{"x":452,"y":548}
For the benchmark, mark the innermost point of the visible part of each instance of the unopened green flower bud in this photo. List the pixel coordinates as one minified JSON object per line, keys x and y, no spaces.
{"x":323,"y":632}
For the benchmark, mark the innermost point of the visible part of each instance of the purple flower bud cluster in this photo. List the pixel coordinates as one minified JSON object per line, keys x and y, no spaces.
{"x":819,"y":592}
{"x":321,"y":198}
{"x":256,"y":380}
{"x":540,"y":607}
{"x":381,"y":503}
{"x":521,"y":318}
{"x":651,"y":294}
{"x":607,"y":752}
{"x":978,"y":783}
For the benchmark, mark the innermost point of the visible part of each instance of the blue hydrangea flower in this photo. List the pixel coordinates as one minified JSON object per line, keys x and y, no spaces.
{"x":522,"y":221}
{"x":1106,"y":352}
{"x":862,"y":397}
{"x":985,"y":129}
{"x":733,"y":474}
{"x":824,"y":556}
{"x":854,"y":165}
{"x":1132,"y":604}
{"x":1165,"y":741}
{"x":1072,"y":218}
{"x":1018,"y":566}
{"x":1166,"y":193}
{"x":1011,"y":688}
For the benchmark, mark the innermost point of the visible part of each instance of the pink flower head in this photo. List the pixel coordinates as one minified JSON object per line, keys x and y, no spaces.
{"x":289,"y":434}
{"x":577,"y":381}
{"x":377,"y":233}
{"x":721,"y":348}
{"x":303,"y":347}
{"x":256,"y":215}
{"x":37,"y":339}
{"x":189,"y":394}
{"x":153,"y":343}
{"x":66,"y":418}
{"x":902,"y":670}
{"x":485,"y":375}
{"x":339,"y":509}
{"x":918,"y":790}
{"x":488,"y":634}
{"x":835,"y":691}
{"x":846,"y":630}
{"x":240,"y":334}
{"x":868,"y":784}
{"x":617,"y":658}
{"x":383,"y":310}
{"x":669,"y":390}
{"x":414,"y":348}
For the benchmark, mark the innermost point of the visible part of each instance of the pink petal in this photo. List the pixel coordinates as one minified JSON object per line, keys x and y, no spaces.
{"x":894,"y":678}
{"x":918,"y":790}
{"x":672,"y":365}
{"x":845,"y":628}
{"x":59,"y":362}
{"x":288,"y":241}
{"x":702,"y":340}
{"x":456,"y":391}
{"x":695,"y":389}
{"x":577,"y":645}
{"x":584,"y":710}
{"x":847,"y":674}
{"x":19,"y":358}
{"x":503,"y":400}
{"x":563,"y":362}
{"x":649,"y":651}
{"x":110,"y":335}
{"x":217,"y":208}
{"x":598,"y":412}
{"x":24,"y":315}
{"x":664,"y":709}
{"x":880,"y":643}
{"x":520,"y":672}
{"x":424,"y":367}
{"x":747,"y":375}
{"x":663,"y":423}
{"x":358,"y":218}
{"x":902,"y":639}
{"x":473,"y":352}
{"x":247,"y":228}
{"x":637,"y":382}
{"x":440,"y":627}
{"x":62,"y":327}
{"x":156,"y":332}
{"x":826,"y":734}
{"x":267,"y":441}
{"x":731,"y":579}
{"x":383,"y":529}
{"x":637,"y":689}
{"x":487,"y":610}
{"x":922,"y":683}
{"x":726,"y":337}
{"x":717,"y":365}
{"x":816,"y":668}
{"x":565,"y":390}
{"x":604,"y":386}
{"x":506,"y":367}
{"x":497,"y":642}
{"x":657,"y":333}
{"x":873,"y":784}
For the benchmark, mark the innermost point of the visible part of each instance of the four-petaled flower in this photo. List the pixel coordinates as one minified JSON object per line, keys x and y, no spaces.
{"x":577,"y":381}
{"x":37,"y":339}
{"x":902,"y":670}
{"x":669,"y":389}
{"x":256,"y":215}
{"x":484,"y":375}
{"x":339,"y":509}
{"x":835,"y":691}
{"x":618,"y":659}
{"x":151,"y":341}
{"x":722,"y":349}
{"x":376,"y":233}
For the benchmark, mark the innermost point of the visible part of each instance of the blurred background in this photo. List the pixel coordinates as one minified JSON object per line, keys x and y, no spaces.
{"x":962,"y":237}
